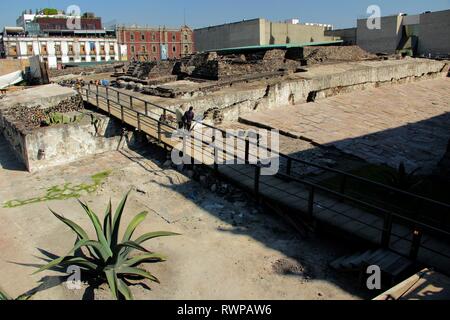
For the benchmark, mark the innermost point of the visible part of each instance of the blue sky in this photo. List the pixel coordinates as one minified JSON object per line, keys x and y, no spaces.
{"x":202,"y":13}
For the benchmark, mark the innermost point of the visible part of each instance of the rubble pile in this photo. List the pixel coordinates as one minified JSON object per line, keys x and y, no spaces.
{"x":315,"y":55}
{"x":105,"y":68}
{"x":27,"y":118}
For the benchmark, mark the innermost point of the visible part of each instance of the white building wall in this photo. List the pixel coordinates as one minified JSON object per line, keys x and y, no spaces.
{"x":52,"y":59}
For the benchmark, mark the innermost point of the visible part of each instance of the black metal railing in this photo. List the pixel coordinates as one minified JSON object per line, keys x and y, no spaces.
{"x":150,"y":115}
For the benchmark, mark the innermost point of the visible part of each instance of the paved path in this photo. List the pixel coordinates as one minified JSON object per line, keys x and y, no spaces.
{"x":388,"y":125}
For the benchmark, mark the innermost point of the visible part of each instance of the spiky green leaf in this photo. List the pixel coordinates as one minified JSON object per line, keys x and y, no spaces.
{"x":145,"y":258}
{"x":124,"y":290}
{"x":98,"y":228}
{"x":4,"y":295}
{"x":136,"y":272}
{"x":133,"y":225}
{"x":117,"y":219}
{"x":111,"y":277}
{"x":107,"y":223}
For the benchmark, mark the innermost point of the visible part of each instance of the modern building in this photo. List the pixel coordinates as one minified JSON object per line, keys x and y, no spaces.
{"x":58,"y":39}
{"x":59,"y":50}
{"x":259,"y":32}
{"x":153,"y":44}
{"x":422,"y":34}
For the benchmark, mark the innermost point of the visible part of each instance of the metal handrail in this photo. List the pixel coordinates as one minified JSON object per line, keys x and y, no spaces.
{"x":304,"y":162}
{"x":387,"y":215}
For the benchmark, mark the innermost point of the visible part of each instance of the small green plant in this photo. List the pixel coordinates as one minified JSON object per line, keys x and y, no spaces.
{"x":59,"y":118}
{"x":107,"y":259}
{"x":5,"y":297}
{"x":403,"y":180}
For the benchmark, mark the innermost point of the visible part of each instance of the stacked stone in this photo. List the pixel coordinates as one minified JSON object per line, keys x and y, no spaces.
{"x":27,"y":118}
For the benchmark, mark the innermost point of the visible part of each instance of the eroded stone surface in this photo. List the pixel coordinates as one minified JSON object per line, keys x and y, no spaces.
{"x":405,"y":123}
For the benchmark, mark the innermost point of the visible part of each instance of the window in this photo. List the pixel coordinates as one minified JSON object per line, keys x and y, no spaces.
{"x":13,"y":50}
{"x":58,"y":49}
{"x":30,"y":49}
{"x":83,"y":59}
{"x":102,"y":50}
{"x":103,"y":59}
{"x":143,"y":49}
{"x":71,"y":59}
{"x":186,"y":49}
{"x":44,"y":49}
{"x":132,"y":49}
{"x":174,"y":37}
{"x":142,"y":36}
{"x":154,"y":49}
{"x":153,"y":36}
{"x":132,"y":36}
{"x":186,"y":37}
{"x":59,"y":60}
{"x":113,"y":58}
{"x":174,"y":49}
{"x":70,"y":48}
{"x":83,"y":49}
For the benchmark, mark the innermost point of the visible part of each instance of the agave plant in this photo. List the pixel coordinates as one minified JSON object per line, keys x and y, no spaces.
{"x":106,"y":258}
{"x":5,"y":297}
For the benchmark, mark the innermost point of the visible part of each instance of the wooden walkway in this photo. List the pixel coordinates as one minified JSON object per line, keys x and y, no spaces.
{"x":302,"y":198}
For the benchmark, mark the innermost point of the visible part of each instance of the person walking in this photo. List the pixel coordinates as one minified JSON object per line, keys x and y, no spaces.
{"x":180,"y":118}
{"x":189,"y":118}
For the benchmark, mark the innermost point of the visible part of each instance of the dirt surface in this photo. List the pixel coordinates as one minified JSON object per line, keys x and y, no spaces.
{"x":315,"y":55}
{"x":227,"y":249}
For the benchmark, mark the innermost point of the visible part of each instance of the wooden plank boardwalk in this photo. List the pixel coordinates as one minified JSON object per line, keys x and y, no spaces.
{"x":299,"y":197}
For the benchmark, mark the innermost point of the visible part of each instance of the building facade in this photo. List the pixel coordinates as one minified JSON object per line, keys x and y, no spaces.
{"x":259,"y":32}
{"x":422,"y":34}
{"x":154,"y":44}
{"x":56,"y":51}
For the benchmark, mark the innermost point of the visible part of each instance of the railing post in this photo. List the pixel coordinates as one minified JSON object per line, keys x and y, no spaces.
{"x":87,"y":95}
{"x":146,"y":108}
{"x":96,"y":97}
{"x":107,"y":101}
{"x":417,"y":239}
{"x":289,"y":166}
{"x":247,"y":151}
{"x":215,"y":151}
{"x":257,"y":179}
{"x":118,"y":97}
{"x":131,"y":102}
{"x":138,"y":121}
{"x":387,"y":231}
{"x":159,"y":131}
{"x":312,"y":192}
{"x":122,"y":114}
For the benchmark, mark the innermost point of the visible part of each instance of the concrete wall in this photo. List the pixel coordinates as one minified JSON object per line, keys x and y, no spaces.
{"x":239,"y":34}
{"x":283,"y":33}
{"x":9,"y":66}
{"x":257,"y":32}
{"x":347,"y":35}
{"x":62,"y":144}
{"x":434,"y":33}
{"x":385,"y":39}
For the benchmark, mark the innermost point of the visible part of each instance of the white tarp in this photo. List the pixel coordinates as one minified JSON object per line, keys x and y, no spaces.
{"x":10,"y":79}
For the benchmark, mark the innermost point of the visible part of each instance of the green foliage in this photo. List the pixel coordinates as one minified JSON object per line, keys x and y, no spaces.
{"x":108,"y":259}
{"x":403,"y":180}
{"x":64,"y":192}
{"x":5,"y":297}
{"x":50,"y":11}
{"x":59,"y":118}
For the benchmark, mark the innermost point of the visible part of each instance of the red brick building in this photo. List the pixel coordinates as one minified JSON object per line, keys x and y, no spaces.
{"x":60,"y":23}
{"x":153,"y":44}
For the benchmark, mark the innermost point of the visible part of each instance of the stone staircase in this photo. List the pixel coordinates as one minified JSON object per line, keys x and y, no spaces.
{"x":391,"y":264}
